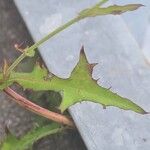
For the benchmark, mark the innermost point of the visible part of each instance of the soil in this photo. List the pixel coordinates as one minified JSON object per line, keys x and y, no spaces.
{"x":14,"y":118}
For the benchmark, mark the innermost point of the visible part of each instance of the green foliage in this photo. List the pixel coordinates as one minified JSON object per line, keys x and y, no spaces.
{"x":114,"y":10}
{"x":79,"y":87}
{"x":93,"y":11}
{"x":12,"y":143}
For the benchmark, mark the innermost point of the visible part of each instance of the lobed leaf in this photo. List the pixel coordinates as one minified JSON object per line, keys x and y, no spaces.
{"x":79,"y":87}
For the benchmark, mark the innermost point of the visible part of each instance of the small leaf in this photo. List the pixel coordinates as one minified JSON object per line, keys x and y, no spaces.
{"x":114,"y":9}
{"x":12,"y":143}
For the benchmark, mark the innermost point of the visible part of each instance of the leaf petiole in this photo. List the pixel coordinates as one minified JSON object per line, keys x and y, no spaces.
{"x":34,"y":46}
{"x":47,"y":37}
{"x":93,"y":11}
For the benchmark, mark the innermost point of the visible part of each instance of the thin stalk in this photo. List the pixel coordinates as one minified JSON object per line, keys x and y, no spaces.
{"x":59,"y":29}
{"x":47,"y":37}
{"x":22,"y":101}
{"x":15,"y":63}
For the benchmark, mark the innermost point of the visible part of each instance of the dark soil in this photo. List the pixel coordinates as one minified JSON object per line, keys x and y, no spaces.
{"x":16,"y":119}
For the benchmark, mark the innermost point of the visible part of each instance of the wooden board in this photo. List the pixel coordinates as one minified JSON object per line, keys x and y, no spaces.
{"x":114,"y":43}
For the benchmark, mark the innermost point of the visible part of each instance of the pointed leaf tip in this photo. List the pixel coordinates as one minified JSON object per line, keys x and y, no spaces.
{"x":82,"y":52}
{"x":122,"y":9}
{"x":145,"y":113}
{"x":82,"y":55}
{"x":83,"y":58}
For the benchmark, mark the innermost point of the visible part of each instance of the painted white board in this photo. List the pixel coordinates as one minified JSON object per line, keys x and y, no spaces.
{"x":116,"y":43}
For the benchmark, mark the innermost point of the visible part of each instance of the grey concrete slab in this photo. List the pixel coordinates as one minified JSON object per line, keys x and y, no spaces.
{"x":114,"y":42}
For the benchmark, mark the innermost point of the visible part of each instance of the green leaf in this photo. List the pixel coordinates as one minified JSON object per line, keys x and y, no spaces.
{"x":114,"y":9}
{"x":79,"y":87}
{"x":82,"y":87}
{"x":12,"y":143}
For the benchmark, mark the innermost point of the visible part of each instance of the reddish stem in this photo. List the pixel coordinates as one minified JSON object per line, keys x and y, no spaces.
{"x":37,"y":109}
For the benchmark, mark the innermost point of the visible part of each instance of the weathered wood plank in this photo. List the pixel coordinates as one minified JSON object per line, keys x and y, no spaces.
{"x":108,"y":41}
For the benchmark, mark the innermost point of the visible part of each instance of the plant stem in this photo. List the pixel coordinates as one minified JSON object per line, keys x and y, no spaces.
{"x":59,"y":118}
{"x":59,"y":29}
{"x":15,"y":63}
{"x":47,"y":37}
